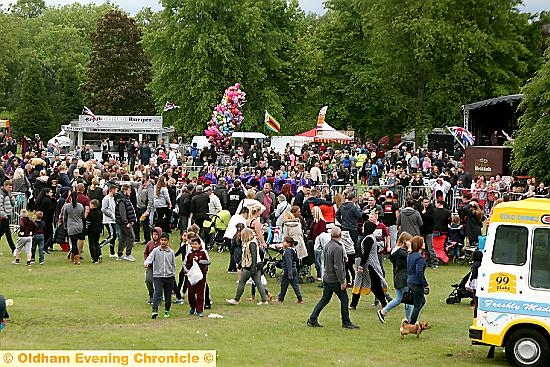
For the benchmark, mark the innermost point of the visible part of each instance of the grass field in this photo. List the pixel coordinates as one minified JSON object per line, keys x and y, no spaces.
{"x":104,"y":306}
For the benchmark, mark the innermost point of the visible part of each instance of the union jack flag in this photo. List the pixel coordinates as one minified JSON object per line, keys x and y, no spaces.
{"x":462,"y":135}
{"x":87,"y":111}
{"x":169,"y":106}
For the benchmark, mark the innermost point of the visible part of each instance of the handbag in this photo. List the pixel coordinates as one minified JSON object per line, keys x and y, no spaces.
{"x":408,"y":297}
{"x":60,"y":235}
{"x":195,"y":274}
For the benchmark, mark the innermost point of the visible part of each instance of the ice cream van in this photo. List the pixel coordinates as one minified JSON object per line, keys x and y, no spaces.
{"x":513,"y":286}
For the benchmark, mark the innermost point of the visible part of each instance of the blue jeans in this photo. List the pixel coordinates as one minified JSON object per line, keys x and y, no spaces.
{"x":328,"y":290}
{"x":38,"y":241}
{"x":285,"y":282}
{"x":419,"y":302}
{"x":396,"y":301}
{"x":319,"y":263}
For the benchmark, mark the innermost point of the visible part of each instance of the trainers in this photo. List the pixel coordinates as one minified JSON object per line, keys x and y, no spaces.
{"x":150,"y":301}
{"x":381,"y":316}
{"x":15,"y":262}
{"x":191,"y":311}
{"x":199,"y":314}
{"x":179,"y":301}
{"x":207,"y":307}
{"x":129,"y":258}
{"x":313,"y":323}
{"x":42,"y":263}
{"x":350,"y":326}
{"x":299,"y":302}
{"x":154,"y":315}
{"x":232,"y":301}
{"x":113,"y":255}
{"x":262,"y":303}
{"x":119,"y":258}
{"x":166,"y":314}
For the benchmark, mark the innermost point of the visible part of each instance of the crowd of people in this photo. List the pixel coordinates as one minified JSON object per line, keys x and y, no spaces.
{"x":339,"y":212}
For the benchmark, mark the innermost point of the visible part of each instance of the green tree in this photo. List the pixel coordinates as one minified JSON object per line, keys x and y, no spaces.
{"x":28,"y":8}
{"x":531,"y":148}
{"x":119,"y":71}
{"x":71,"y":101}
{"x":33,"y":114}
{"x":412,"y":64}
{"x":199,"y":48}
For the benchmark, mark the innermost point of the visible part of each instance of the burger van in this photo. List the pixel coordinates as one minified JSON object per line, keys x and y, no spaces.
{"x":513,"y":285}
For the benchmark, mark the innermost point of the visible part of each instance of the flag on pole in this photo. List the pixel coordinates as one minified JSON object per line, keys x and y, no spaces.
{"x":87,"y":111}
{"x":272,"y":124}
{"x":462,"y":135}
{"x":169,"y":106}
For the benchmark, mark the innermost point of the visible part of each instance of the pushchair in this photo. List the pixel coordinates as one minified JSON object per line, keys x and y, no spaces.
{"x":273,"y":256}
{"x":304,"y":267}
{"x":215,"y":227}
{"x":273,"y":260}
{"x":460,"y":291}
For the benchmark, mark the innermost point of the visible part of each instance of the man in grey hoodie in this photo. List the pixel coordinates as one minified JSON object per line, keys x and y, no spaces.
{"x":334,"y":281}
{"x":409,"y":220}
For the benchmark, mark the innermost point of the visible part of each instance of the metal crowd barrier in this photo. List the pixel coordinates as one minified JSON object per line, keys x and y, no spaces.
{"x":20,"y":200}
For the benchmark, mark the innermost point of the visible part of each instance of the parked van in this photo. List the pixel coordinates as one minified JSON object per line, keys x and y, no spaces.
{"x":513,"y":286}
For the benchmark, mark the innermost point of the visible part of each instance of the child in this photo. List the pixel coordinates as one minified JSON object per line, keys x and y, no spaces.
{"x":477,"y":256}
{"x":151,"y":245}
{"x":26,"y":229}
{"x":195,"y":230}
{"x":456,"y":237}
{"x":38,"y":238}
{"x":164,"y":274}
{"x":183,"y":251}
{"x":95,"y":225}
{"x":195,"y":293}
{"x":290,"y":271}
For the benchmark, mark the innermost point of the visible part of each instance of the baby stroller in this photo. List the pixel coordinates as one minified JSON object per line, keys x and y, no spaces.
{"x":304,"y":268}
{"x":273,"y":256}
{"x":215,"y":226}
{"x":273,"y":260}
{"x":460,"y":291}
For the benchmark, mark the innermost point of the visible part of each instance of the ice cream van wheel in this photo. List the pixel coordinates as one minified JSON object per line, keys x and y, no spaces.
{"x":527,"y":348}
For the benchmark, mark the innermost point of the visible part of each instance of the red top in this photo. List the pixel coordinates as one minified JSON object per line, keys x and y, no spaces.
{"x":197,"y":255}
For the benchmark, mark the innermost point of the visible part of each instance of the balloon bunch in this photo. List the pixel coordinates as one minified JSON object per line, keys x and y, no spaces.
{"x":226,"y":117}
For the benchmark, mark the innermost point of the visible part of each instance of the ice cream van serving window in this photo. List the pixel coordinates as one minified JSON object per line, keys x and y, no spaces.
{"x":510,"y":246}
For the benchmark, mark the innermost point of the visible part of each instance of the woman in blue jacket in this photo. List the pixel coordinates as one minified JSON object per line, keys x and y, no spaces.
{"x":416,"y":265}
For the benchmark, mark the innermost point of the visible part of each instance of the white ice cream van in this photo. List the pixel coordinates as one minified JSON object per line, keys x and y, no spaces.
{"x":513,"y":286}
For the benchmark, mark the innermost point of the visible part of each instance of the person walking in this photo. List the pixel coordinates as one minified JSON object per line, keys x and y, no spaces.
{"x":162,"y":205}
{"x":73,"y":220}
{"x":163,"y":261}
{"x":334,"y":281}
{"x":125,"y":216}
{"x":108,"y":206}
{"x":7,"y":202}
{"x":144,"y":207}
{"x":251,"y":267}
{"x":398,"y":258}
{"x":416,"y":280}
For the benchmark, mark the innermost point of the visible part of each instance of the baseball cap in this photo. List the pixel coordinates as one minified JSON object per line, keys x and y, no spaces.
{"x":389,"y":194}
{"x":199,"y":188}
